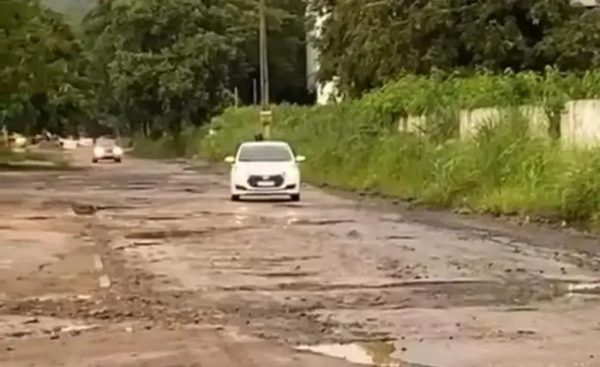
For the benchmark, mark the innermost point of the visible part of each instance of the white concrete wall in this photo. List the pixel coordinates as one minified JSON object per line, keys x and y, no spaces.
{"x":580,"y":123}
{"x":471,"y":121}
{"x":539,"y":121}
{"x":412,"y":124}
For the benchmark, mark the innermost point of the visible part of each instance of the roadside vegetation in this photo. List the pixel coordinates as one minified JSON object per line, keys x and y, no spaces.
{"x":506,"y":169}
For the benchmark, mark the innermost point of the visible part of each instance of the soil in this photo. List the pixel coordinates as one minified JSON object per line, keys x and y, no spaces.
{"x":149,"y":264}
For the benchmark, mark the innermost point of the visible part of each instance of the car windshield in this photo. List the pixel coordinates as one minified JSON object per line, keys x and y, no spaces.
{"x":106,"y":143}
{"x":264,"y":153}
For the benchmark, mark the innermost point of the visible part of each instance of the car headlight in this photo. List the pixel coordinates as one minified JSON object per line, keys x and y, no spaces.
{"x":117,"y":151}
{"x":290,"y":175}
{"x":98,"y":151}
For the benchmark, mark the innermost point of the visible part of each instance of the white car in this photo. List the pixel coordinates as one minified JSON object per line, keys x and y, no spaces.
{"x":107,"y":150}
{"x":265,"y":168}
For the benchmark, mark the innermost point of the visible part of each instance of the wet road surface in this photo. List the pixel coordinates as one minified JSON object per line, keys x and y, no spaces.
{"x":150,"y":264}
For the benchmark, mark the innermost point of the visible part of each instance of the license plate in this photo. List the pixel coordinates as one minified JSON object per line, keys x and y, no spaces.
{"x":266,"y":183}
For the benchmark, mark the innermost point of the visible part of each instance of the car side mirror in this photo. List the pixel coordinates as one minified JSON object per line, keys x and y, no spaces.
{"x":230,"y":160}
{"x":300,"y":158}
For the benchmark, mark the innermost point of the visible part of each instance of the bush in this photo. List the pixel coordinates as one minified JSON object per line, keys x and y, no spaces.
{"x":186,"y":144}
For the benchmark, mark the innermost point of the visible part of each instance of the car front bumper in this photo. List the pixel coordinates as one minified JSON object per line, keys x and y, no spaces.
{"x":107,"y":156}
{"x":245,"y":190}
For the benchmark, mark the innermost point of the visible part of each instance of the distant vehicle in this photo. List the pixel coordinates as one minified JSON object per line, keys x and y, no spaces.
{"x":107,"y":149}
{"x":265,"y":168}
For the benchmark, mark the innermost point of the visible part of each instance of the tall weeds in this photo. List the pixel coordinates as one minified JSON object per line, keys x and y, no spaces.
{"x":505,"y":169}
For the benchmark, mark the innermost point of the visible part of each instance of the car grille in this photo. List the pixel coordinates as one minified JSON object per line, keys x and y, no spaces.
{"x":255,"y":180}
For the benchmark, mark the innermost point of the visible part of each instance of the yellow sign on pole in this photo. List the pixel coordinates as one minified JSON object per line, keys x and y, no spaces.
{"x":266,"y":117}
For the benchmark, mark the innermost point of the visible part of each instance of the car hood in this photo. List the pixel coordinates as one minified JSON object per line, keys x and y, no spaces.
{"x":106,"y":147}
{"x":264,"y":168}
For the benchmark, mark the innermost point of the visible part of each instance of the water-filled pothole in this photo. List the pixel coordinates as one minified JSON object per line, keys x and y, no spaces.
{"x":379,"y":354}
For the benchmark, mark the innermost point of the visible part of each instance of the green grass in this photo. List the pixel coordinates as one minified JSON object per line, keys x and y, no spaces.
{"x":168,"y":147}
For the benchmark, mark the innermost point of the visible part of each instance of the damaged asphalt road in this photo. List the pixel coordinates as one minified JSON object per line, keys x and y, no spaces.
{"x":150,"y":264}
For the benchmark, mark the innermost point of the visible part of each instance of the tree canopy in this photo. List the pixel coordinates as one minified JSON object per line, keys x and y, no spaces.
{"x":159,"y":65}
{"x":164,"y":62}
{"x":367,"y":43}
{"x":42,"y":79}
{"x":153,"y":65}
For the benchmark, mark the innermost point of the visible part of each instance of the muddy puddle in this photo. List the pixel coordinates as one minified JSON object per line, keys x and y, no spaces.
{"x":378,"y":354}
{"x":584,"y":288}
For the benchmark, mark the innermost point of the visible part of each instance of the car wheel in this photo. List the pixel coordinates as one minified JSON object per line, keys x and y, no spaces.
{"x":94,"y":161}
{"x":295,"y":197}
{"x":117,"y":160}
{"x":235,"y":198}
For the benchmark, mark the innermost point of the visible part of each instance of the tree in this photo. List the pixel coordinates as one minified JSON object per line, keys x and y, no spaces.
{"x":164,"y":62}
{"x":576,"y":45}
{"x":287,"y":52}
{"x":369,"y":43}
{"x":41,"y":80}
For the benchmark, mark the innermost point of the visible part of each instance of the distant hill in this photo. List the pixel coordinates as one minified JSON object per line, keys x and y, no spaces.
{"x":74,"y":10}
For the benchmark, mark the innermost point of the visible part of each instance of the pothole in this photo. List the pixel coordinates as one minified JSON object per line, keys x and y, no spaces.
{"x":323,"y":222}
{"x":38,"y":217}
{"x":584,"y":288}
{"x":154,"y":235}
{"x":83,"y":209}
{"x":116,"y":207}
{"x":287,"y":274}
{"x":380,"y":354}
{"x":399,"y":237}
{"x":163,"y":218}
{"x":289,"y":206}
{"x":138,"y":244}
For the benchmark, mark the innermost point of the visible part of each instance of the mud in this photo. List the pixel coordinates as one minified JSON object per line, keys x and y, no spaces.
{"x":92,"y":274}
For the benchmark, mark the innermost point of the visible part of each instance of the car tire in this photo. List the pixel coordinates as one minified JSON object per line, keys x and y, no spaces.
{"x":94,"y":161}
{"x":235,"y":198}
{"x":117,"y":160}
{"x":295,"y":197}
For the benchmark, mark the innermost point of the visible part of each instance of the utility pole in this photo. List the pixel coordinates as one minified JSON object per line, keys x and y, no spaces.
{"x":265,"y":111}
{"x":4,"y":130}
